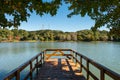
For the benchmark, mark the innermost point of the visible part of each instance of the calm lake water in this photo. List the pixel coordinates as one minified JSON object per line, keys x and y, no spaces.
{"x":13,"y":55}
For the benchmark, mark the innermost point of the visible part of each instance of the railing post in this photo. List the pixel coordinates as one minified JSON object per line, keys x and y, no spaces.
{"x":87,"y":69}
{"x":75,"y":58}
{"x":31,"y":70}
{"x":71,"y":52}
{"x":18,"y":75}
{"x":102,"y":76}
{"x":43,"y":54}
{"x":43,"y":57}
{"x":37,"y":65}
{"x":80,"y":63}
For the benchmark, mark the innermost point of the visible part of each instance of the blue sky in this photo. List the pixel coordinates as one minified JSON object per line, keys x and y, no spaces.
{"x":58,"y":22}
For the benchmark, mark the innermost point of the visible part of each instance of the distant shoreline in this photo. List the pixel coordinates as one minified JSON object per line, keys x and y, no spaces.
{"x":15,"y":41}
{"x":16,"y":35}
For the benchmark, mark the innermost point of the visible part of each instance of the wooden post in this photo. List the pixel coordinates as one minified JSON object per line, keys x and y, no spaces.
{"x":37,"y":65}
{"x":76,"y":59}
{"x":87,"y":69}
{"x":43,"y":54}
{"x":18,"y":75}
{"x":102,"y":76}
{"x":80,"y":63}
{"x":31,"y":70}
{"x":43,"y":57}
{"x":71,"y":52}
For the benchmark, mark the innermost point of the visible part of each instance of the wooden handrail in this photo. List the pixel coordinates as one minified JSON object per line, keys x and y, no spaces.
{"x":16,"y":73}
{"x":103,"y":70}
{"x":58,"y":50}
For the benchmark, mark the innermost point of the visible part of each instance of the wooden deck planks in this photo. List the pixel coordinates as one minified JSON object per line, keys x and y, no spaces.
{"x":59,"y":69}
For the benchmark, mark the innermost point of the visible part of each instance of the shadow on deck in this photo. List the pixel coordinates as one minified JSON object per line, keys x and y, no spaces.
{"x":59,"y":69}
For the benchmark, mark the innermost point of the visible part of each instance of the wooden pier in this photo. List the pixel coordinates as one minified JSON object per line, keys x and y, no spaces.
{"x":67,"y":65}
{"x":59,"y":69}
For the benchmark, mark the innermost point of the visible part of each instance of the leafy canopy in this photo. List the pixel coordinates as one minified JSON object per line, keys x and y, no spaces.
{"x":104,"y":12}
{"x":19,"y":10}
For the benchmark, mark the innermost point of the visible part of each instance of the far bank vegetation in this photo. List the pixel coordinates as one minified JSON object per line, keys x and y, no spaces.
{"x":56,"y":35}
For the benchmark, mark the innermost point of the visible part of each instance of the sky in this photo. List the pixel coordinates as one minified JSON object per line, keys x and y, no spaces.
{"x":58,"y":22}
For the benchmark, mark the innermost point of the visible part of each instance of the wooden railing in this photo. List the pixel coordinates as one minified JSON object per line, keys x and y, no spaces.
{"x":103,"y":70}
{"x":77,"y":57}
{"x":15,"y":74}
{"x":56,"y":52}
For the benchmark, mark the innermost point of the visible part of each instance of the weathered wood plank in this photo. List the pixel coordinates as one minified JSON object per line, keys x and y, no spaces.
{"x":59,"y":69}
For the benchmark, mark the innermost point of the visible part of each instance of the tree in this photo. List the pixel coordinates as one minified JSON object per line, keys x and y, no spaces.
{"x":96,"y":35}
{"x":6,"y":34}
{"x":54,"y":35}
{"x":85,"y":35}
{"x":41,"y":38}
{"x":103,"y":35}
{"x":74,"y":36}
{"x":68,"y":37}
{"x":23,"y":34}
{"x":102,"y":11}
{"x":20,"y":10}
{"x":16,"y":34}
{"x":32,"y":35}
{"x":58,"y":35}
{"x":115,"y":33}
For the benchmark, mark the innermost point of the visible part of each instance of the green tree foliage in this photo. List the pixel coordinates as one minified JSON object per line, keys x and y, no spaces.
{"x":89,"y":35}
{"x":85,"y":35}
{"x":46,"y":35}
{"x":32,"y":35}
{"x":20,"y":10}
{"x":16,"y":32}
{"x":20,"y":34}
{"x":55,"y":35}
{"x":103,"y":35}
{"x":73,"y":36}
{"x":82,"y":35}
{"x":5,"y":35}
{"x":102,"y":11}
{"x":23,"y":34}
{"x":115,"y":34}
{"x":68,"y":37}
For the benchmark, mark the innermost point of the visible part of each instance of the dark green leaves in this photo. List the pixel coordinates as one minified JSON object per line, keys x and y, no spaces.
{"x":104,"y":12}
{"x":20,"y":10}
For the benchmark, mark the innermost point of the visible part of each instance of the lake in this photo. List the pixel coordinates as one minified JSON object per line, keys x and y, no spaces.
{"x":13,"y":55}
